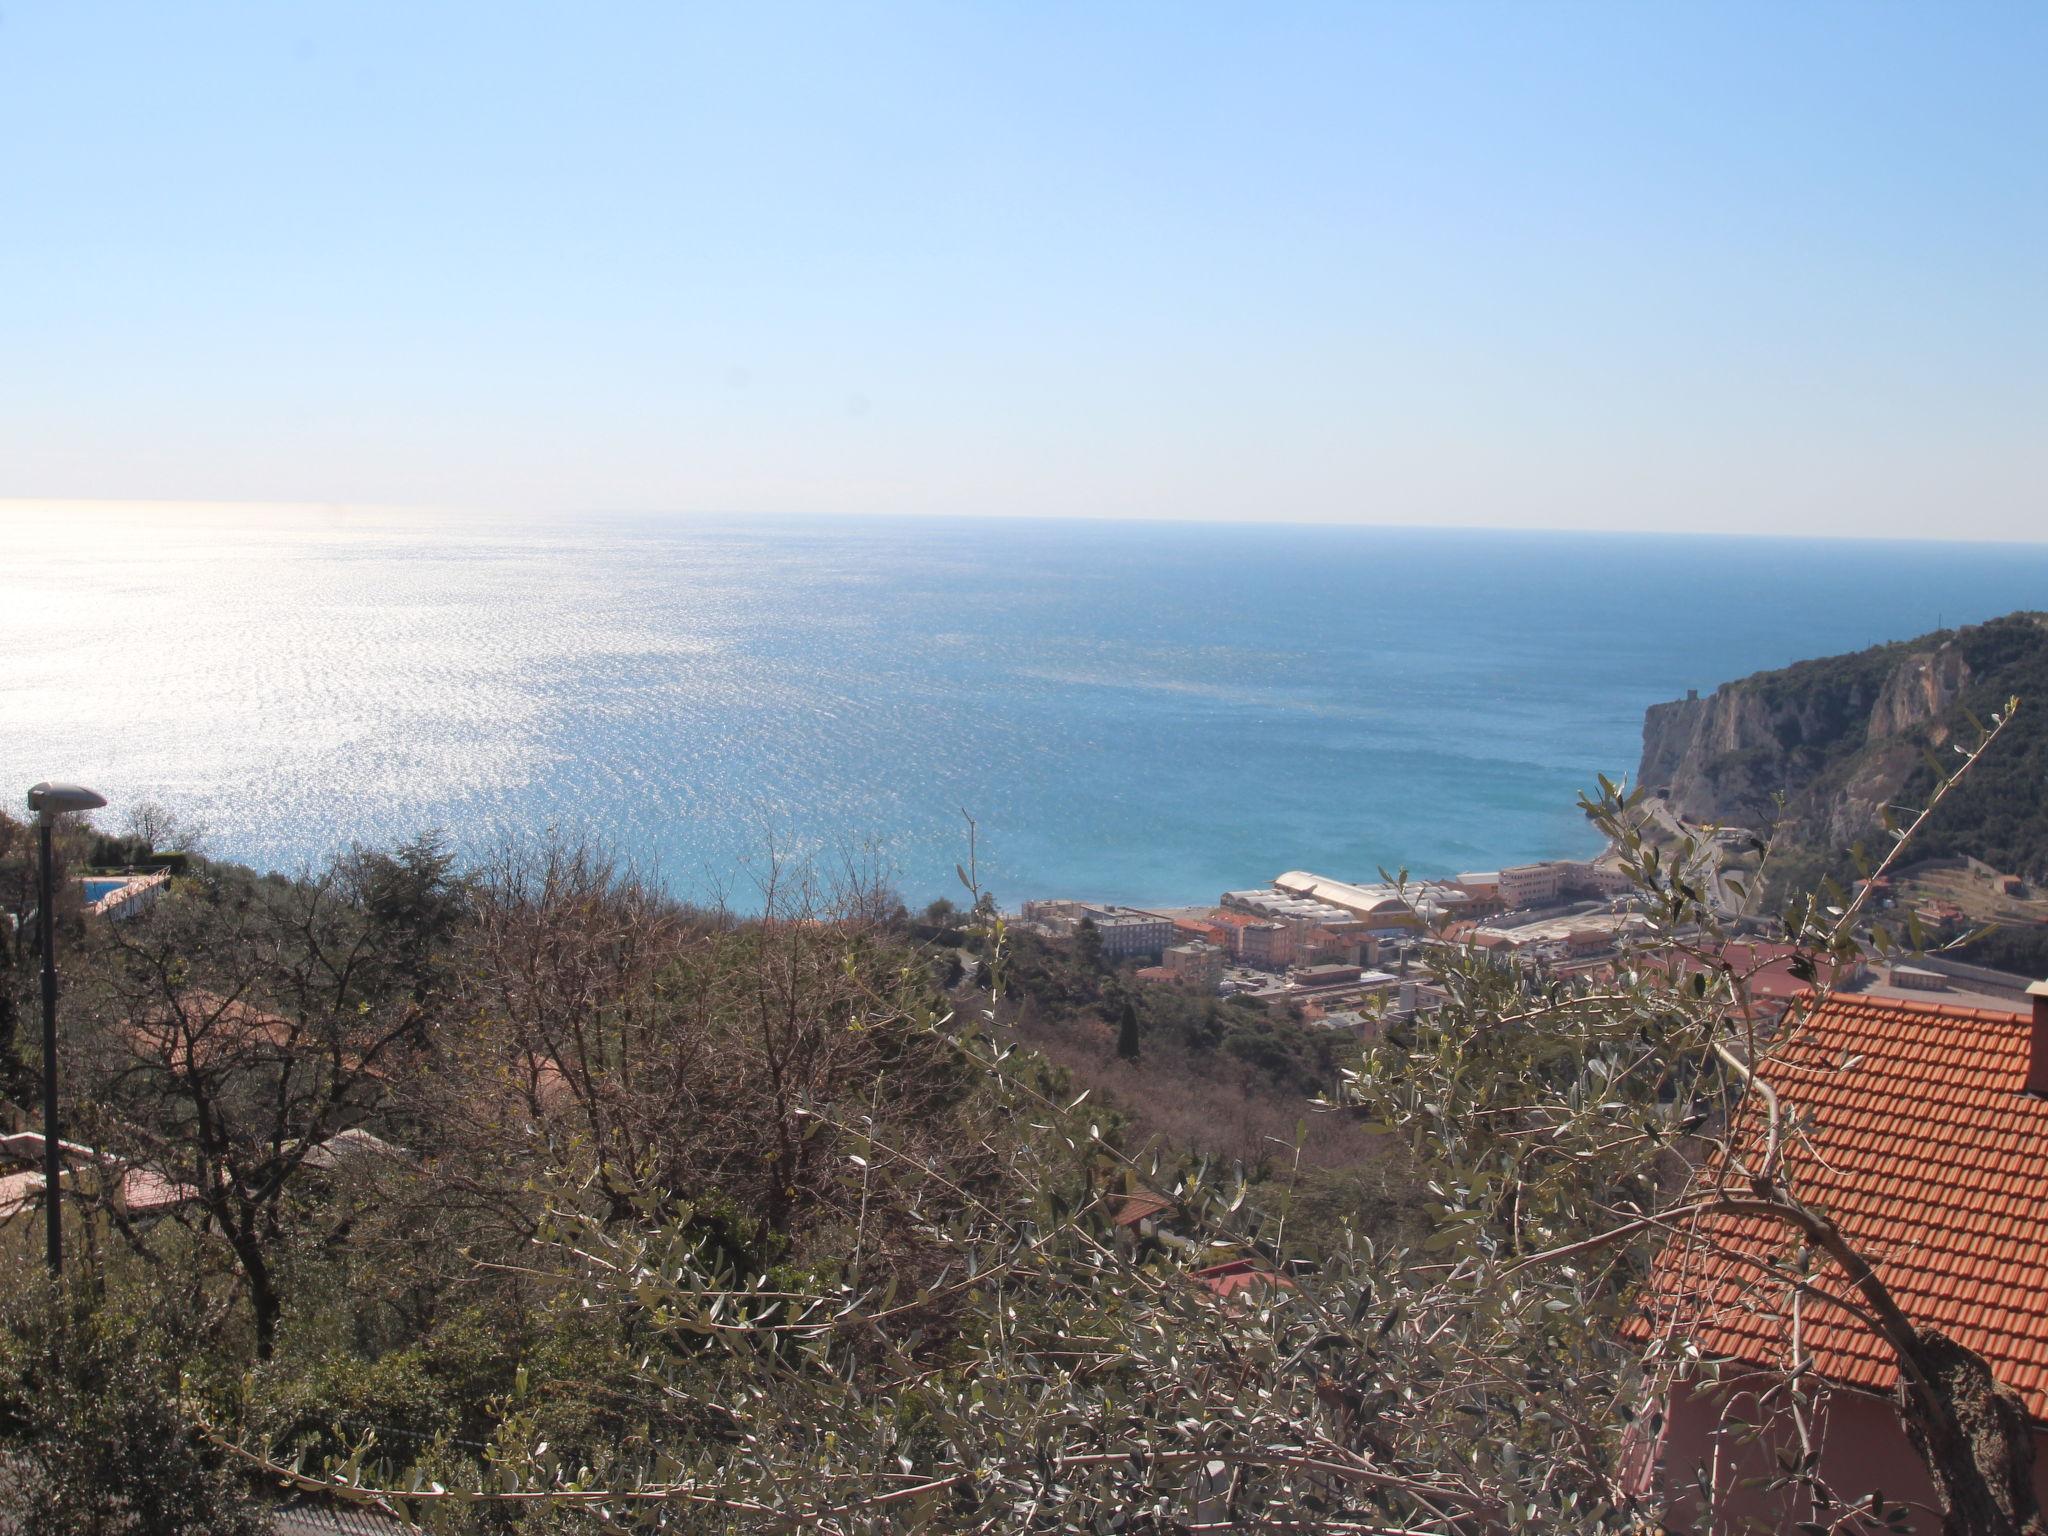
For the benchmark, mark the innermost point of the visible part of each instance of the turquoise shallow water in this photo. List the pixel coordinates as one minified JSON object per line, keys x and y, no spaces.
{"x":1136,"y":712}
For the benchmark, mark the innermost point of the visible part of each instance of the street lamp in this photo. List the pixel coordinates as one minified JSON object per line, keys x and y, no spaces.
{"x":48,"y":802}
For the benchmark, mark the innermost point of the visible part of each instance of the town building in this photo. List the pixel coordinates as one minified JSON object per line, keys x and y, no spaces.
{"x":1916,"y":978}
{"x":1381,"y":908}
{"x":1322,"y":947}
{"x":1127,"y":932}
{"x":1310,"y":977}
{"x":1553,"y":880}
{"x":1056,"y":917}
{"x":1270,"y":946}
{"x":1280,"y":906}
{"x":1531,"y":885}
{"x":1924,"y":1133}
{"x":1202,"y":930}
{"x":1196,"y":965}
{"x":1483,"y":886}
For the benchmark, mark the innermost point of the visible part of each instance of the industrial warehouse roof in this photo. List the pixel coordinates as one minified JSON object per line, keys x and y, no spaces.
{"x":1362,"y":899}
{"x":1933,"y":1161}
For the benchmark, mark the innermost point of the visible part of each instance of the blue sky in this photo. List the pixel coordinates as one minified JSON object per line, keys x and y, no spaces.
{"x":1772,"y":268}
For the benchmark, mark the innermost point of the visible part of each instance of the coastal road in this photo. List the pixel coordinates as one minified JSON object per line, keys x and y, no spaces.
{"x":1714,"y":846}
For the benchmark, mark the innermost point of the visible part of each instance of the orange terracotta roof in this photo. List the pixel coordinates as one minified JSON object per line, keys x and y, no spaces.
{"x":1134,"y":1208}
{"x":135,"y":1190}
{"x":201,"y":1028}
{"x":1768,"y":968}
{"x":1931,"y":1160}
{"x":1238,"y":1275}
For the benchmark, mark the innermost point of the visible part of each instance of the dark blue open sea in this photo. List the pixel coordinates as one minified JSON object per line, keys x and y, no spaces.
{"x":1133,"y":712}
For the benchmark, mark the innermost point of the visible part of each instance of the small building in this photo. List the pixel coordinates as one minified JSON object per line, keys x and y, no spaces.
{"x":1925,"y":1132}
{"x":1323,"y":947}
{"x":1937,"y":913}
{"x":1310,"y":977}
{"x":1530,"y":885}
{"x":1202,"y":930}
{"x":128,"y":1188}
{"x":1056,"y":917}
{"x":1483,"y":886}
{"x":1235,"y":1278}
{"x":1269,"y":946}
{"x":1197,"y":964}
{"x":1918,"y":978}
{"x":1349,"y":1020}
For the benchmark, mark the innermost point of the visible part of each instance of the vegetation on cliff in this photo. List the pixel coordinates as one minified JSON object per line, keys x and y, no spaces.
{"x":1819,"y":753}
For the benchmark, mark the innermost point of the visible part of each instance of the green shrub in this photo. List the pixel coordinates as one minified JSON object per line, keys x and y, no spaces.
{"x":90,"y":1432}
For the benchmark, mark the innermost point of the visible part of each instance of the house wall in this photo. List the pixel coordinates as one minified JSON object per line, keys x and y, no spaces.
{"x":1863,"y":1449}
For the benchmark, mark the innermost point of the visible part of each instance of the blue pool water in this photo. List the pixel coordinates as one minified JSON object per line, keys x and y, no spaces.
{"x":1137,"y":712}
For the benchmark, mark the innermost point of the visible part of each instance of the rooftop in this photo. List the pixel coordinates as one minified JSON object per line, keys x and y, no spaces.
{"x":1238,"y":1275}
{"x":1931,"y":1159}
{"x":1363,"y":899}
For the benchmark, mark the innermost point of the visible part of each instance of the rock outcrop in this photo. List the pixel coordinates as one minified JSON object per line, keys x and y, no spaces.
{"x":1841,"y":738}
{"x":1920,"y":690}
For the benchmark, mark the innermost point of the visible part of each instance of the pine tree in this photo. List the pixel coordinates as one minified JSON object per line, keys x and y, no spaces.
{"x":1088,"y":944}
{"x":1127,"y":1033}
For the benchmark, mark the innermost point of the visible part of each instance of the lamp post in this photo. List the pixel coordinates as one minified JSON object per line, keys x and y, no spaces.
{"x":48,"y":802}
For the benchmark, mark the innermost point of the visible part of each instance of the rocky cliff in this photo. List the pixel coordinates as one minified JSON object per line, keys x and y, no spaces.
{"x":1841,"y":737}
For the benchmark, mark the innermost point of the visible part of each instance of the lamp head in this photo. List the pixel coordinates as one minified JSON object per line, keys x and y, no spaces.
{"x":54,"y":799}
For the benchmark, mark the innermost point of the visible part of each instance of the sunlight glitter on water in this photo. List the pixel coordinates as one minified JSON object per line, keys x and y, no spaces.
{"x":1132,"y":712}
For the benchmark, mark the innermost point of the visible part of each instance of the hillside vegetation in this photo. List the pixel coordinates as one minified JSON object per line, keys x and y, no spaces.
{"x":527,"y":1200}
{"x":1819,"y":751}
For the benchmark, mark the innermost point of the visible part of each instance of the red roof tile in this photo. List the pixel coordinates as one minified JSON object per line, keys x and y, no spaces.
{"x":1129,"y":1210}
{"x":1933,"y":1162}
{"x":1238,"y":1275}
{"x":1767,"y":970}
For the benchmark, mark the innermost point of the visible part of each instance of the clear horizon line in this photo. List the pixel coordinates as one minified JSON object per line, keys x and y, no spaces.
{"x":11,"y":504}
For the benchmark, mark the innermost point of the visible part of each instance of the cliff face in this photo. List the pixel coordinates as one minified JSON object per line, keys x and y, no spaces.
{"x":1840,"y":738}
{"x":1920,"y":689}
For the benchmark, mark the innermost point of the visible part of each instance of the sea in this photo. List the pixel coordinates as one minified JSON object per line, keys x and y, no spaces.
{"x":1149,"y":713}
